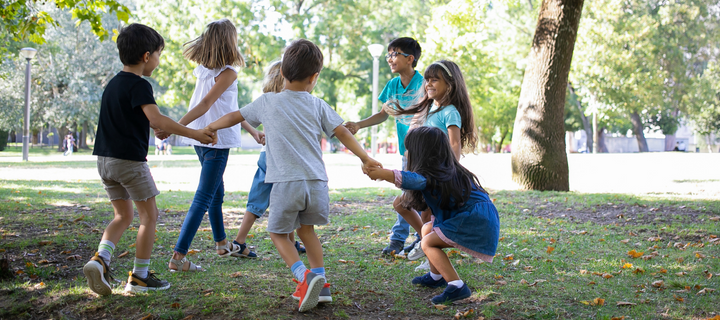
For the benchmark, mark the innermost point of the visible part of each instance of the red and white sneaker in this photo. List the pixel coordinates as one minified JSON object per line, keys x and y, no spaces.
{"x":323,"y":297}
{"x":308,"y":291}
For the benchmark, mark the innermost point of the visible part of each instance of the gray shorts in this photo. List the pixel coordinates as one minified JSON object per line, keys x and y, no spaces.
{"x":126,"y":179}
{"x":298,"y":202}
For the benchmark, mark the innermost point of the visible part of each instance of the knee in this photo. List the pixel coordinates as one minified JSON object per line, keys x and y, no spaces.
{"x":425,"y":245}
{"x":150,"y":217}
{"x":426,"y":229}
{"x":397,"y":204}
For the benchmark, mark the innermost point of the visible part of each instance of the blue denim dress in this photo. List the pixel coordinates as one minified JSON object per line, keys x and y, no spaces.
{"x":473,"y":227}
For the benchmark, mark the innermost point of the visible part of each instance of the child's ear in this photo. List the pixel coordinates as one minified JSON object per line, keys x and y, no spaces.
{"x":314,"y":77}
{"x":146,"y":57}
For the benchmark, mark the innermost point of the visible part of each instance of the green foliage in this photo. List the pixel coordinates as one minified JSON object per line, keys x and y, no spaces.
{"x":703,"y":101}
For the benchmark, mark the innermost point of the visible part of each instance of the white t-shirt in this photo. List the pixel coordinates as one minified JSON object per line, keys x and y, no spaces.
{"x":226,"y":103}
{"x":294,"y":122}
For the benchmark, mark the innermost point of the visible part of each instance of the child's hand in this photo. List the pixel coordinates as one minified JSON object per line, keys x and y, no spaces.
{"x":206,"y":136}
{"x":375,"y":173}
{"x":352,"y":127}
{"x":370,"y":163}
{"x":259,"y":137}
{"x":161,"y":134}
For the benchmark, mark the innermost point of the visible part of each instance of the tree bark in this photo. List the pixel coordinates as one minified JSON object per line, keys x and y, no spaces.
{"x":539,"y":161}
{"x":62,"y":132}
{"x":82,"y":142}
{"x":638,"y":131}
{"x":602,"y":147}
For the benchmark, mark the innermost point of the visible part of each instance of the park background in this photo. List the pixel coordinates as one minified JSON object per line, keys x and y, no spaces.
{"x":634,"y":238}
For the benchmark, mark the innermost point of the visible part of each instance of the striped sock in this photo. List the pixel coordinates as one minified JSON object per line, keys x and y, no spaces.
{"x":140,"y":267}
{"x":319,"y":271}
{"x":298,"y":269}
{"x":105,"y":250}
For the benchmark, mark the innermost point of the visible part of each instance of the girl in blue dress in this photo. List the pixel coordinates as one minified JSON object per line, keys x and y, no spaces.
{"x":463,"y":216}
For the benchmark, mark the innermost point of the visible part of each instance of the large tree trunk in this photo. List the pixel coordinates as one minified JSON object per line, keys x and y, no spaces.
{"x":585,"y":120}
{"x":638,"y":131}
{"x":539,"y":161}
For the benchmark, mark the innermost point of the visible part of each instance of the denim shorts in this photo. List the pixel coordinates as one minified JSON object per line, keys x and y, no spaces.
{"x":296,"y":203}
{"x":126,"y":179}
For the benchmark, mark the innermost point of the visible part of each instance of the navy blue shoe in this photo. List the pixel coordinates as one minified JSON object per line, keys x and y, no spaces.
{"x":300,"y":249}
{"x":427,"y":281}
{"x":452,"y":293}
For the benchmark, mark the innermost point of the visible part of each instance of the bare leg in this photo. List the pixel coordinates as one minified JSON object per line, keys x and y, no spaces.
{"x":425,"y":215}
{"x":148,"y":212}
{"x":410,"y":216}
{"x":285,"y":248}
{"x":247,"y":223}
{"x":122,"y":220}
{"x":291,"y":236}
{"x":432,"y":245}
{"x":312,"y":245}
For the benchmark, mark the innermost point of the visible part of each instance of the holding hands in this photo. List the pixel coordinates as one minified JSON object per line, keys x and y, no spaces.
{"x":205,"y":136}
{"x":352,"y":127}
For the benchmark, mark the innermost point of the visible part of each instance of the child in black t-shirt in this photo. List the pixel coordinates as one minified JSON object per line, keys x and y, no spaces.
{"x":127,"y":112}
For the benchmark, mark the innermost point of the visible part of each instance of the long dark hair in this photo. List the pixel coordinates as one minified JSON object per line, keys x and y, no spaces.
{"x":430,"y":155}
{"x":457,"y":95}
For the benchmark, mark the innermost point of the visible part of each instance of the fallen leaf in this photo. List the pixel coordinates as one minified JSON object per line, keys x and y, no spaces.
{"x":635,"y":254}
{"x":704,"y":291}
{"x":192,"y":252}
{"x":680,"y":274}
{"x":638,"y":271}
{"x":663,"y":270}
{"x":235,"y":274}
{"x":123,"y":254}
{"x":132,"y":245}
{"x":440,"y":306}
{"x":715,"y":218}
{"x":598,"y":302}
{"x":550,"y":249}
{"x":74,"y":257}
{"x":618,"y":318}
{"x":592,"y":283}
{"x":44,"y":242}
{"x":625,"y":304}
{"x":175,"y":305}
{"x":627,"y":266}
{"x":699,"y":255}
{"x":678,"y":298}
{"x":583,"y":271}
{"x":523,"y":281}
{"x":79,"y":218}
{"x":509,"y":257}
{"x":501,"y":282}
{"x":625,"y":240}
{"x":607,"y":275}
{"x":658,"y":284}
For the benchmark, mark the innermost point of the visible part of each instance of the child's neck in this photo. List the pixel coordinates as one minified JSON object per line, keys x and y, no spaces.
{"x":406,"y":76}
{"x":137,"y":69}
{"x":298,"y":86}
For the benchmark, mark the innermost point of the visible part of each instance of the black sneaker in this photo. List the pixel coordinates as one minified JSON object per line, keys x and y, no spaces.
{"x":98,"y":275}
{"x":300,"y":249}
{"x":394,"y":247}
{"x":137,"y":284}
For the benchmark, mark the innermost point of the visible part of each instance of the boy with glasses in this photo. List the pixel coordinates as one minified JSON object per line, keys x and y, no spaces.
{"x":403,"y":55}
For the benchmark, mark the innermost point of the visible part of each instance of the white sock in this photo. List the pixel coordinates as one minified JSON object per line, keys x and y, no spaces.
{"x":140,"y":267}
{"x":456,"y":283}
{"x":105,"y":250}
{"x":435,"y":276}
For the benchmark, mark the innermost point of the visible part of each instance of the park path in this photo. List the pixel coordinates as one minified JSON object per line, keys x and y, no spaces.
{"x":693,"y":175}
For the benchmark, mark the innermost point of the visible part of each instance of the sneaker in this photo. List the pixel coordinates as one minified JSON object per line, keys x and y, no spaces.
{"x":137,"y":284}
{"x":323,"y":297}
{"x":416,"y":252}
{"x":300,"y":249}
{"x":394,"y":247}
{"x":423,"y":266}
{"x":308,"y":291}
{"x":98,"y":275}
{"x":452,"y":293}
{"x":242,"y":253}
{"x":427,"y":281}
{"x":411,"y":246}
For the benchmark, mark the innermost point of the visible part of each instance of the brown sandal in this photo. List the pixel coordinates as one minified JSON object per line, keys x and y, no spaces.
{"x":181,"y":264}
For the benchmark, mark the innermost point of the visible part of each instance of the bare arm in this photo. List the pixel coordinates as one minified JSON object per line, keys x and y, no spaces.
{"x":454,"y":136}
{"x":375,"y":119}
{"x":226,"y":121}
{"x":348,"y":140}
{"x":168,"y":125}
{"x":259,"y":136}
{"x":381,"y":174}
{"x":222,"y":82}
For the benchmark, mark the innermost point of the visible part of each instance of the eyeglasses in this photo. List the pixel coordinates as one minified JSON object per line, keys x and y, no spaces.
{"x":393,"y":55}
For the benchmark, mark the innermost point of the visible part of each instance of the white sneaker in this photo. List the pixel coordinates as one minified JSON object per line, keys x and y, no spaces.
{"x":423,"y":266}
{"x":416,"y":252}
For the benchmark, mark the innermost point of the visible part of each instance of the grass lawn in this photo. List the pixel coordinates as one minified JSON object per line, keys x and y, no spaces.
{"x":561,"y":256}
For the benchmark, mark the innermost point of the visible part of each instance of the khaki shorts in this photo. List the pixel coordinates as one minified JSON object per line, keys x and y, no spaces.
{"x":298,"y":202}
{"x":126,"y":179}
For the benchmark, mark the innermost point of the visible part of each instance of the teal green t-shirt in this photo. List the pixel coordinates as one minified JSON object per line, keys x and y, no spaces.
{"x":448,"y":116}
{"x":406,"y":97}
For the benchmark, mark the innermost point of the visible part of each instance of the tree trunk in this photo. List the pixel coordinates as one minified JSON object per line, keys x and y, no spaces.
{"x":670,"y":142}
{"x":638,"y":131}
{"x":498,"y":148}
{"x":82,"y":142}
{"x":585,"y":120}
{"x":602,"y":148}
{"x":539,"y":161}
{"x":62,"y":132}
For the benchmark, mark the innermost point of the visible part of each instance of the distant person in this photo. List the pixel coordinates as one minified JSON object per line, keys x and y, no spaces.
{"x":167,"y":146}
{"x":127,"y":110}
{"x":463,"y":216}
{"x":69,"y":144}
{"x":677,"y":146}
{"x":159,"y":146}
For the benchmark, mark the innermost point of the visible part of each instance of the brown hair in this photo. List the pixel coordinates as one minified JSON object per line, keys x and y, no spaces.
{"x":216,"y":47}
{"x":273,"y":81}
{"x":456,"y":94}
{"x":301,"y":60}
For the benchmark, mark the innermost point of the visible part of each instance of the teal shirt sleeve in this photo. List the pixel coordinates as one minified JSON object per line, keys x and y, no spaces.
{"x":452,"y":117}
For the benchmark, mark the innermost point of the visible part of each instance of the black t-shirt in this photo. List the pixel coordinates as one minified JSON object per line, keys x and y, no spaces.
{"x":123,"y":129}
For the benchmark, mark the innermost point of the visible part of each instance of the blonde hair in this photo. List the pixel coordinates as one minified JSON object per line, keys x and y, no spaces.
{"x":216,"y":47}
{"x":274,"y":81}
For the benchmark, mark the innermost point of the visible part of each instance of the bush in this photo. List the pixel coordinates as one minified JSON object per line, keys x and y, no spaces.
{"x":3,"y":139}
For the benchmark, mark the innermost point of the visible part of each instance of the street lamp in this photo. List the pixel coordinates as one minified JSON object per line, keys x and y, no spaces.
{"x":375,"y":50}
{"x":28,"y":54}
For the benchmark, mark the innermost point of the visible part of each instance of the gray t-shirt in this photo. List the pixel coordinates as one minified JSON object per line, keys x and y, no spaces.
{"x":294,"y":122}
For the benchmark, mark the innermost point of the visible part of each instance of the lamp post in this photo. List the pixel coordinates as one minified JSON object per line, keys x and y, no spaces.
{"x":375,"y":50}
{"x":28,"y":54}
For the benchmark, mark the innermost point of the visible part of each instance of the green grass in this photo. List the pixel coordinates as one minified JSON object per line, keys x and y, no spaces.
{"x":15,"y":150}
{"x":526,"y":281}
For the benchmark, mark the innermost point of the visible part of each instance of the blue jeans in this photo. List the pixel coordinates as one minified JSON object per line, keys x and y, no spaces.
{"x":401,"y":229}
{"x":259,"y":196}
{"x":208,"y":198}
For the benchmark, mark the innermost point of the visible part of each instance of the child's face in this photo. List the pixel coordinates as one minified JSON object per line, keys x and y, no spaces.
{"x":435,"y":88}
{"x":152,"y":63}
{"x":398,"y":61}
